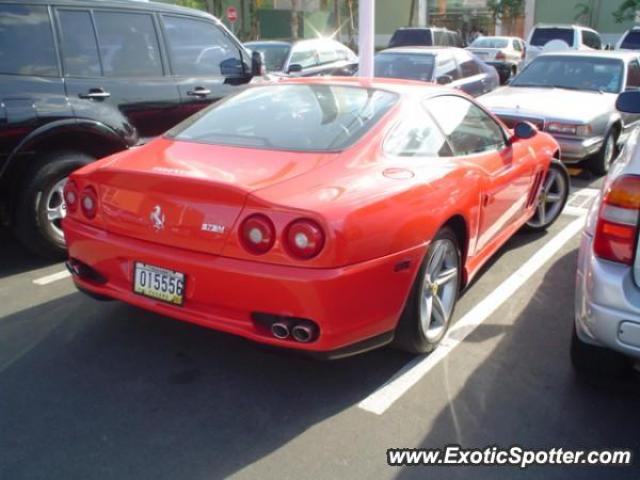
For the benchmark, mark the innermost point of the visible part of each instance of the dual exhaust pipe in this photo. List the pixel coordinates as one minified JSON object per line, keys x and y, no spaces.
{"x":302,"y":331}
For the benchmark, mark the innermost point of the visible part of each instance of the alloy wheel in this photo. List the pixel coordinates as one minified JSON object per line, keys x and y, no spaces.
{"x":439,"y":289}
{"x":56,"y":207}
{"x":550,"y":200}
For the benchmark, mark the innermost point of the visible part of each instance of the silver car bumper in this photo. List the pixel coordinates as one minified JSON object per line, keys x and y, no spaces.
{"x":607,"y":302}
{"x":573,"y":150}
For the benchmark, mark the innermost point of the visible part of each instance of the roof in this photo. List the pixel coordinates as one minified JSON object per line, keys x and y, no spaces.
{"x":562,"y":25}
{"x":396,"y":85}
{"x":121,"y":4}
{"x":424,"y":28}
{"x":280,"y":43}
{"x":626,"y":55}
{"x":418,"y":49}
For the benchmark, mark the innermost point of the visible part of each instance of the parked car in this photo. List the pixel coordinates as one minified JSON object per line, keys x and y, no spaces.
{"x":454,"y":67}
{"x":606,"y":335}
{"x":630,"y":40}
{"x":545,"y":37}
{"x":352,"y":209}
{"x":306,"y":57}
{"x":572,"y":96}
{"x":83,"y":79}
{"x":505,"y":54}
{"x":426,"y":37}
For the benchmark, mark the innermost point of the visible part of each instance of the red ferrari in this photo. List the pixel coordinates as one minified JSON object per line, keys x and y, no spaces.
{"x":325,"y":215}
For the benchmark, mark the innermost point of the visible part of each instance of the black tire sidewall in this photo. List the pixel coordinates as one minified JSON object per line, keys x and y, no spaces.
{"x":30,"y":215}
{"x":597,"y":162}
{"x":556,"y":165}
{"x":409,"y":335}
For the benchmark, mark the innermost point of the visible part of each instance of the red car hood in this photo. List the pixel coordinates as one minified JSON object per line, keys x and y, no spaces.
{"x":189,"y":194}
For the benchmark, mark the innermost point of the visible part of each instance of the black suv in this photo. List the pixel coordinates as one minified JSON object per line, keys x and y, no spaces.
{"x":82,"y":79}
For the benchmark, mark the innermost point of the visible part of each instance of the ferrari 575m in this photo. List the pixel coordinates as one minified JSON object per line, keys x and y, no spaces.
{"x":325,"y":215}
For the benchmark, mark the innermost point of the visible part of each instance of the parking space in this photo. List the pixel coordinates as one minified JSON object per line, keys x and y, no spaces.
{"x":103,"y":390}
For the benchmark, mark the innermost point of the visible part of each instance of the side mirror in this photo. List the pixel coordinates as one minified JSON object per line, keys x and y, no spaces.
{"x":629,"y":102}
{"x":444,"y":79}
{"x":294,"y":68}
{"x":257,"y":64}
{"x":524,"y":131}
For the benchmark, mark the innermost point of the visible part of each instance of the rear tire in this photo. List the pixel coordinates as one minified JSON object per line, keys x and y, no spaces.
{"x":40,"y":206}
{"x":597,"y":361}
{"x":601,"y":161}
{"x":426,"y":319}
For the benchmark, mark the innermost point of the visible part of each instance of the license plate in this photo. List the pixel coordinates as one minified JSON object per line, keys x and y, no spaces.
{"x":158,"y":283}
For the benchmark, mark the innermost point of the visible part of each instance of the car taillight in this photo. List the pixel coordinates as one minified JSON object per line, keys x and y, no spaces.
{"x":304,"y":238}
{"x":501,"y":56}
{"x":89,"y":202}
{"x":71,"y":196}
{"x":617,"y":227}
{"x":257,"y":234}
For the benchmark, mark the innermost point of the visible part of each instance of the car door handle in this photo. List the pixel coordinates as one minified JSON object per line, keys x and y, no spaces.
{"x":95,"y":94}
{"x":199,"y":92}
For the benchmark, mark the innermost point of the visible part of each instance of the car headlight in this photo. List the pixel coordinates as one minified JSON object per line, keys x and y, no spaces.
{"x":569,"y":129}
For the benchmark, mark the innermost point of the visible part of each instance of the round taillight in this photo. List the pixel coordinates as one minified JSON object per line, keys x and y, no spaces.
{"x":257,"y":234}
{"x":304,"y":238}
{"x":71,"y":196}
{"x":89,"y":202}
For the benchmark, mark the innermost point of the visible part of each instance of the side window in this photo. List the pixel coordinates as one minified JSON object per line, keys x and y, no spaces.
{"x":78,"y":44}
{"x":468,"y":65}
{"x":517,"y":46}
{"x":198,"y":47}
{"x":128,"y":44}
{"x":446,"y":65}
{"x":26,"y":41}
{"x":327,"y":54}
{"x":591,"y":39}
{"x":468,"y":128}
{"x":417,"y":135}
{"x":633,"y":75}
{"x":305,"y":56}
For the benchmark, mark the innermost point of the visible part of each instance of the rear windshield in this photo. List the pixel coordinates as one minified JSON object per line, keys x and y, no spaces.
{"x":404,"y":65}
{"x":289,"y":117}
{"x":402,"y":38}
{"x":542,"y":36}
{"x":274,"y":55}
{"x":631,"y":41}
{"x":490,"y":43}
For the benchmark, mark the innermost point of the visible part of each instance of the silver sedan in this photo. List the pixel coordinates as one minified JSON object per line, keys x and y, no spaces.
{"x":572,"y":96}
{"x":606,"y":336}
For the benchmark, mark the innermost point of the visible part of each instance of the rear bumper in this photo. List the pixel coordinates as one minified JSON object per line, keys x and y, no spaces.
{"x":356,"y":307}
{"x":607,"y":303}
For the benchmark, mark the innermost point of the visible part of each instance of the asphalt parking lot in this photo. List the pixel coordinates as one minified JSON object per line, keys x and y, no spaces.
{"x":104,"y":390}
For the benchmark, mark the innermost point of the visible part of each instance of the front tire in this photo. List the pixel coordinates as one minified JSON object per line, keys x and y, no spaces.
{"x":427,"y":314}
{"x":601,"y":161}
{"x":40,"y":205}
{"x":553,"y":195}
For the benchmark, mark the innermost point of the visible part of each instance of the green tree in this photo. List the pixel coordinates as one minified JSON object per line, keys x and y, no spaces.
{"x":506,"y":10}
{"x":626,"y":11}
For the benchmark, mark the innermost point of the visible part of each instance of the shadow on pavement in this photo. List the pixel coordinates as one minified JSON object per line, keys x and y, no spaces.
{"x":103,"y":390}
{"x":504,"y":401}
{"x":15,"y":259}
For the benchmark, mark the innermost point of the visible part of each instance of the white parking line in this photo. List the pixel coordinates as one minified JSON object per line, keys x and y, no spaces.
{"x":54,"y":277}
{"x":385,"y":396}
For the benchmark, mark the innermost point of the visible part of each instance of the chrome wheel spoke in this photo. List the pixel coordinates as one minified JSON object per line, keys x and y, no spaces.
{"x":437,"y":260}
{"x":553,"y":197}
{"x":440,"y":314}
{"x":446,"y":276}
{"x":56,"y":213}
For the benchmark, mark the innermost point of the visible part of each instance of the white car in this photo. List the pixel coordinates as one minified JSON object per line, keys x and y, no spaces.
{"x":505,"y":54}
{"x":630,"y":40}
{"x":550,"y":38}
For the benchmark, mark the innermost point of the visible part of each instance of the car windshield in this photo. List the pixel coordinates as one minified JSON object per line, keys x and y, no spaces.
{"x":488,"y":42}
{"x":402,"y":38}
{"x":289,"y":117}
{"x":631,"y":41}
{"x":573,"y":73}
{"x":412,"y":66}
{"x":274,"y":55}
{"x":542,"y":36}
